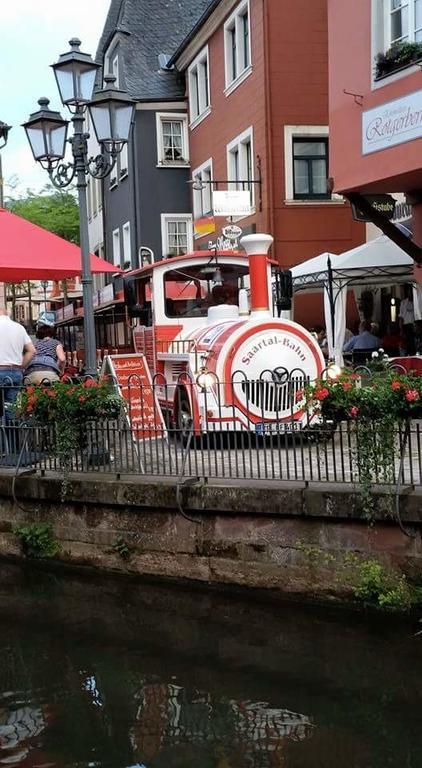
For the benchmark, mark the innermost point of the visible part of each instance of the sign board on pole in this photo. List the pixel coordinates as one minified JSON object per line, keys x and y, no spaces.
{"x":384,"y":204}
{"x":231,"y":202}
{"x":133,"y":381}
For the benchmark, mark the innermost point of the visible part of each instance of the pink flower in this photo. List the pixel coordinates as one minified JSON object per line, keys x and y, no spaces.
{"x":321,"y":393}
{"x":395,"y":385}
{"x":412,"y":395}
{"x":346,"y":386}
{"x":354,"y":412}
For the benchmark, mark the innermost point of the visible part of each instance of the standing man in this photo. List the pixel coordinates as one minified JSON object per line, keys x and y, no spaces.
{"x":407,"y":320}
{"x":16,"y":352}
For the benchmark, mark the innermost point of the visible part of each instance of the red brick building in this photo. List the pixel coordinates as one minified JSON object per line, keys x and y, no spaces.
{"x":257,"y":89}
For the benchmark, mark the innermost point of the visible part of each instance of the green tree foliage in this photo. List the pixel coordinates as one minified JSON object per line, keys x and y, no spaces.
{"x":52,"y":209}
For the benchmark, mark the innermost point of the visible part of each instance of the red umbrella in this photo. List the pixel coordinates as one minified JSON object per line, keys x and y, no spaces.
{"x":29,"y":252}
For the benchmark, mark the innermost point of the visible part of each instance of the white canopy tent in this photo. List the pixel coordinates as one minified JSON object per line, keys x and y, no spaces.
{"x":379,"y":262}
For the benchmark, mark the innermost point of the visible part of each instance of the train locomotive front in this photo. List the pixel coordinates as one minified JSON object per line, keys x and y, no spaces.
{"x":235,"y":366}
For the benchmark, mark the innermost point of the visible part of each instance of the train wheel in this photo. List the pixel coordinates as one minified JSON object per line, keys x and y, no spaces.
{"x":184,"y":420}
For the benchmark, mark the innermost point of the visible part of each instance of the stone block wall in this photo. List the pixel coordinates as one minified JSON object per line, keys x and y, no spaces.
{"x":288,"y":538}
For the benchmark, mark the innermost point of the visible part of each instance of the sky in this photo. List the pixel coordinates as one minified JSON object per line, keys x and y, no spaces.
{"x":33,"y":34}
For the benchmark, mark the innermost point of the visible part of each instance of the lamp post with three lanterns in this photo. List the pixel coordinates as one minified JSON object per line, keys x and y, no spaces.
{"x":111,"y":111}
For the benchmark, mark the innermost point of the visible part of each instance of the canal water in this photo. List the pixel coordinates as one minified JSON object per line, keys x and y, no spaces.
{"x":116,"y":673}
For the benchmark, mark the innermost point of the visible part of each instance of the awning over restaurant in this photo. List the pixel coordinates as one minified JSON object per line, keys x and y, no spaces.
{"x":379,"y":262}
{"x":29,"y":252}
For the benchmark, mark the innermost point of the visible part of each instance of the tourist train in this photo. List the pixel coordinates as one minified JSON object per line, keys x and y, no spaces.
{"x":219,"y":355}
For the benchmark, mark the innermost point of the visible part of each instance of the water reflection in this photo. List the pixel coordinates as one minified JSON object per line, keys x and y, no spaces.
{"x":117,"y":675}
{"x":170,"y":717}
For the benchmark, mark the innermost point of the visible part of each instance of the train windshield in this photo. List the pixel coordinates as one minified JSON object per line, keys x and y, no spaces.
{"x":192,"y":291}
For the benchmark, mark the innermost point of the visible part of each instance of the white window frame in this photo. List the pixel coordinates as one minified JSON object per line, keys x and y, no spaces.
{"x":202,"y":109}
{"x":233,"y":80}
{"x":411,"y":30}
{"x":127,"y":255}
{"x":197,"y":195}
{"x":241,"y":140}
{"x":311,"y":132}
{"x":168,"y":217}
{"x":124,"y":162}
{"x":381,"y":40}
{"x":115,"y":69}
{"x":117,"y":247}
{"x":162,"y":117}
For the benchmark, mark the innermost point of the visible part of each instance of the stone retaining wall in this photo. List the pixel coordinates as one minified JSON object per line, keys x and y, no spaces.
{"x":286,"y":537}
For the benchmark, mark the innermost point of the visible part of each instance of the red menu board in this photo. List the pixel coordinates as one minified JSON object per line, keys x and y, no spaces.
{"x":132,"y":377}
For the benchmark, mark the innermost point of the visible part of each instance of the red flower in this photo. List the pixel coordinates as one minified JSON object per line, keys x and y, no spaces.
{"x":299,"y":395}
{"x":354,"y":412}
{"x":411,"y":395}
{"x":51,"y":393}
{"x":395,"y":385}
{"x":81,"y":398}
{"x":29,"y":408}
{"x":30,"y":390}
{"x":346,"y":386}
{"x":90,"y":383}
{"x":321,"y":393}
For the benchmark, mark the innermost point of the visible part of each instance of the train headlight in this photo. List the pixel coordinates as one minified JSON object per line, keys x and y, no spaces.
{"x":205,"y":379}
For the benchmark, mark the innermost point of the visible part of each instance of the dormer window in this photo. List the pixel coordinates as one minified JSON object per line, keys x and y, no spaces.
{"x":114,"y":70}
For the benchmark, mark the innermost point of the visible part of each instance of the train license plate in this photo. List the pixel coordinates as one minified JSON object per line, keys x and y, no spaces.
{"x":277,"y":427}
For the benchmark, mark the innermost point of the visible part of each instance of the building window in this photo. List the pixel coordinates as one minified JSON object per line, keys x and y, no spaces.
{"x":306,"y":164}
{"x":123,"y":162}
{"x":237,"y":44}
{"x":404,"y":21}
{"x":126,"y":246}
{"x":240,"y":168}
{"x":310,"y":168}
{"x":172,"y":139}
{"x":202,"y":190}
{"x":176,"y":234}
{"x":116,"y":248}
{"x":199,"y":96}
{"x":114,"y":70}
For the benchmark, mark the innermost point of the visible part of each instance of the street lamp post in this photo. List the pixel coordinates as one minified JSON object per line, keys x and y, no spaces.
{"x":4,"y":134}
{"x":111,"y":111}
{"x":44,"y":285}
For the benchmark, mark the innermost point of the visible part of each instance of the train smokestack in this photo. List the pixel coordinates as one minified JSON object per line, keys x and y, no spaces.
{"x":257,"y":247}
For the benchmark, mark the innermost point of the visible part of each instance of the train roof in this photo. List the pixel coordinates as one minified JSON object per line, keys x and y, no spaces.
{"x":194,"y":255}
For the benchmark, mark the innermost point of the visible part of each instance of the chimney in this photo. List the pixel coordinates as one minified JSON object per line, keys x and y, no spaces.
{"x":257,"y":247}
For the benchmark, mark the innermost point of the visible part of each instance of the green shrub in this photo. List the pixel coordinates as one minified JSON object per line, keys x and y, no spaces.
{"x":37,"y":539}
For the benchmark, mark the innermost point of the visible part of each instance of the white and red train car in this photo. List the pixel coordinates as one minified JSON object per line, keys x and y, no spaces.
{"x":219,"y":356}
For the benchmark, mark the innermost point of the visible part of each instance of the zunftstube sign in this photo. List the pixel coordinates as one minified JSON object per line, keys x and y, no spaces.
{"x":392,"y":123}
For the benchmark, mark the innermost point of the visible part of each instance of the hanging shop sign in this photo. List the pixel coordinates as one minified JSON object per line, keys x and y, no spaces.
{"x":392,"y":123}
{"x":384,"y":204}
{"x":231,"y":202}
{"x":133,"y":382}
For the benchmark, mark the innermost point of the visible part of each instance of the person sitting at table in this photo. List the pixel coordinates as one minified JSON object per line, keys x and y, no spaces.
{"x":365,"y":340}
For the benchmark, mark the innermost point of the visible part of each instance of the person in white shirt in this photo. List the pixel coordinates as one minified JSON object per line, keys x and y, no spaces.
{"x":16,"y":352}
{"x":407,"y":320}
